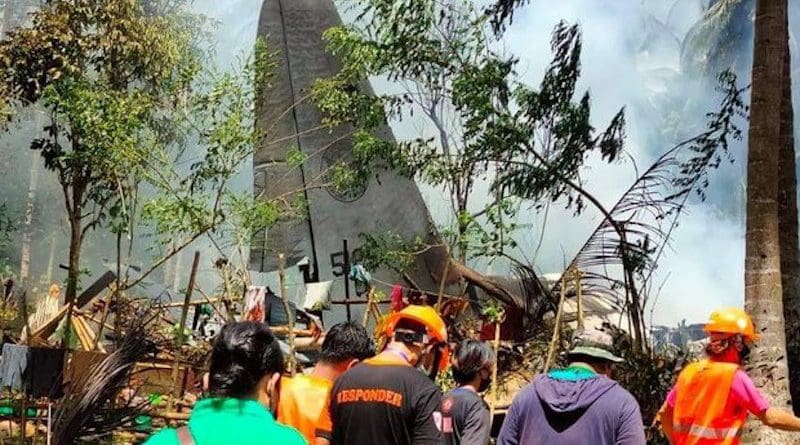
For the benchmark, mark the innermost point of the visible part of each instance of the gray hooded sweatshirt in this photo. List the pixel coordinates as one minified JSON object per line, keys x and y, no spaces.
{"x":573,"y":408}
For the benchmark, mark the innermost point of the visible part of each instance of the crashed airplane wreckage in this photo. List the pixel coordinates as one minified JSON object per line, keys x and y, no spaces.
{"x":328,"y":238}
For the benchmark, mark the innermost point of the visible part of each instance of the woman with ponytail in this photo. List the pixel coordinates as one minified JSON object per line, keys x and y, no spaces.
{"x":246,"y":365}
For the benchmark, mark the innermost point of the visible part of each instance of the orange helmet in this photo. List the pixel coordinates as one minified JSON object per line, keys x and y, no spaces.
{"x":732,"y":321}
{"x":428,"y":317}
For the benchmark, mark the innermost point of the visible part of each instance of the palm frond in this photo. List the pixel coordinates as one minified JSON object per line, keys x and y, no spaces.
{"x":88,"y":408}
{"x":630,"y":242}
{"x":536,"y":297}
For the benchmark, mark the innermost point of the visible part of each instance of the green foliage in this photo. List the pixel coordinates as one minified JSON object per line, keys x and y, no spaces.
{"x":502,"y":12}
{"x":388,"y":249}
{"x":485,"y":125}
{"x":493,"y":311}
{"x":295,"y":157}
{"x":144,"y":133}
{"x":6,"y":227}
{"x":445,"y":380}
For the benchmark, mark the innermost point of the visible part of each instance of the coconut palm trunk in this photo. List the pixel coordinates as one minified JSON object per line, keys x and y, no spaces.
{"x":763,"y":289}
{"x":790,"y":251}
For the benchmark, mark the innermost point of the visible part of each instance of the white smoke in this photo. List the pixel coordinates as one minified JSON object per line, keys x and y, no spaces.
{"x":705,"y":266}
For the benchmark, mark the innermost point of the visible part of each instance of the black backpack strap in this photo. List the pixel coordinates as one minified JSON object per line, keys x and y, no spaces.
{"x":185,"y":436}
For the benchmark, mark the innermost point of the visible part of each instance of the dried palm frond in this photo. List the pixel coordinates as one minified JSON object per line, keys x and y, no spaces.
{"x":627,"y":244}
{"x":536,"y":297}
{"x":88,"y":408}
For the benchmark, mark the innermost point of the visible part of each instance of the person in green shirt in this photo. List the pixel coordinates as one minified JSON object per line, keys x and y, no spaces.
{"x":246,"y":365}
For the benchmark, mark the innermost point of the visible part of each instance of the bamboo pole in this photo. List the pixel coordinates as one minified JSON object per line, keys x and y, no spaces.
{"x":495,"y":383}
{"x":205,"y":300}
{"x":442,"y":283}
{"x":287,"y":308}
{"x":50,"y":260}
{"x":368,"y":309}
{"x":551,"y":351}
{"x":179,"y":337}
{"x":104,"y":317}
{"x":578,"y":275}
{"x":49,"y":423}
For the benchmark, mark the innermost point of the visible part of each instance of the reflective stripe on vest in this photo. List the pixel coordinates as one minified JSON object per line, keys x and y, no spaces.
{"x":705,"y":432}
{"x":701,"y":415}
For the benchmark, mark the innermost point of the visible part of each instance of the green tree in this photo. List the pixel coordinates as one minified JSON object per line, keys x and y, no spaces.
{"x":144,"y":134}
{"x":479,"y":113}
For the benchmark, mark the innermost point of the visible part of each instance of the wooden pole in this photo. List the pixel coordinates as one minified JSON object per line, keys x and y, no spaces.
{"x":551,"y":352}
{"x":287,"y":308}
{"x":578,"y":275}
{"x":442,"y":283}
{"x":24,"y":420}
{"x":25,"y":264}
{"x":51,"y":259}
{"x":49,"y":423}
{"x":104,"y":317}
{"x":368,"y":309}
{"x":496,"y":347}
{"x":179,"y":337}
{"x":346,"y":270}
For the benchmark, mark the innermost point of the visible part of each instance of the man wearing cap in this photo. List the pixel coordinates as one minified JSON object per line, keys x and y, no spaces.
{"x":576,"y":405}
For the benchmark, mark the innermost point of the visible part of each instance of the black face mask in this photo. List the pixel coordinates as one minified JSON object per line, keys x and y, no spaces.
{"x":744,"y":353}
{"x":484,"y":385}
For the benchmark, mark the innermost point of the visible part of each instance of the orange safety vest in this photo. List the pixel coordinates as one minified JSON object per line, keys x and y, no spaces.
{"x":702,"y":415}
{"x":303,"y":403}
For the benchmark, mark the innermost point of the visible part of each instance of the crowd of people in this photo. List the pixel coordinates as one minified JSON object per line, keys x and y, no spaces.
{"x":360,"y":394}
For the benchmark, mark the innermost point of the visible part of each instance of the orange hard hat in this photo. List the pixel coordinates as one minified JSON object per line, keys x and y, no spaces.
{"x":424,"y":315}
{"x":732,"y":320}
{"x":428,"y":317}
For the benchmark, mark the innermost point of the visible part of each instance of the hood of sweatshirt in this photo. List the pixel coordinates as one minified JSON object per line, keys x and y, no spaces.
{"x":566,"y":396}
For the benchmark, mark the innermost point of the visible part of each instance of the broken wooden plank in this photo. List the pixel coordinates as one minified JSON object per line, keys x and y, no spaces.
{"x":95,"y":288}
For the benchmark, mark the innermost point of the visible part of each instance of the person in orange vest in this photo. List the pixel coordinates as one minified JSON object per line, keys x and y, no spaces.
{"x":712,"y":398}
{"x":303,"y":398}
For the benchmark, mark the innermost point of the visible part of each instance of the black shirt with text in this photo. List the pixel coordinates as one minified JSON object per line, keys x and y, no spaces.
{"x":385,"y":402}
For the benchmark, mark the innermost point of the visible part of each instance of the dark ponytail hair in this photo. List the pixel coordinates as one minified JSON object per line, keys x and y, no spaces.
{"x":244,"y":352}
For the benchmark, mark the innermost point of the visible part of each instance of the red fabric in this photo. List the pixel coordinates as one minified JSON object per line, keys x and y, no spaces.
{"x":397,"y":298}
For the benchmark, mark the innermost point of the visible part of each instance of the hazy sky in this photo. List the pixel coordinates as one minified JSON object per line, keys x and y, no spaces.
{"x":705,"y":267}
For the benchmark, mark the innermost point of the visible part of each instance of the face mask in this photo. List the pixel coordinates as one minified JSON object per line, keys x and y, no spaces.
{"x":745,"y":352}
{"x":484,"y":385}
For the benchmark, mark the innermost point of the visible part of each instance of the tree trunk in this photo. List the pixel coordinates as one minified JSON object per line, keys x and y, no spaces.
{"x":25,"y":254}
{"x":763,"y":291}
{"x":74,"y":272}
{"x":8,"y":17}
{"x":787,"y":201}
{"x":52,"y":258}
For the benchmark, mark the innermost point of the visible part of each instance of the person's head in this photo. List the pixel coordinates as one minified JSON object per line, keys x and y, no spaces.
{"x":731,"y":334}
{"x":422,"y":332}
{"x":246,"y":363}
{"x":345,"y":345}
{"x":472,"y":364}
{"x":595,"y":348}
